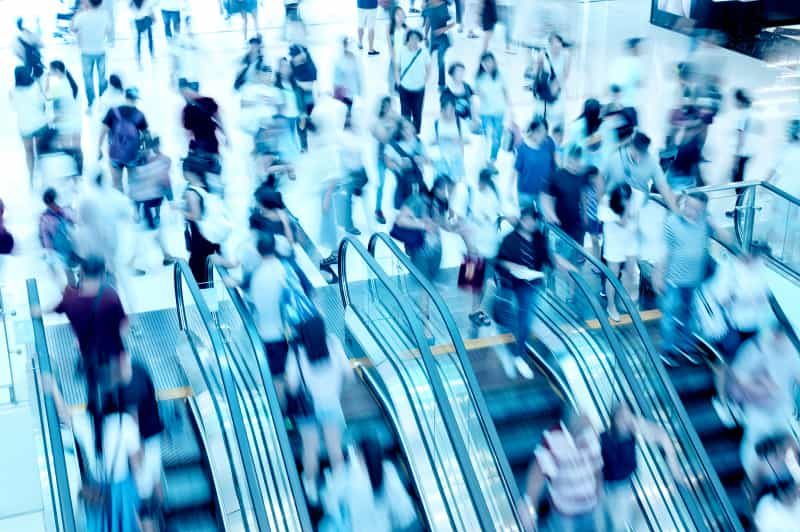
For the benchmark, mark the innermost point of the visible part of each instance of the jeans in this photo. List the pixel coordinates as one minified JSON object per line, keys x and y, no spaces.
{"x":440,"y":46}
{"x":676,"y":305}
{"x":381,"y":179}
{"x":142,"y":26}
{"x":88,"y":63}
{"x":493,"y":123}
{"x":172,"y":22}
{"x":411,"y":106}
{"x":527,"y":296}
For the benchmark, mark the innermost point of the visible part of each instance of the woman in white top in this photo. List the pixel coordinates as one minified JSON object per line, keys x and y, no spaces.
{"x":62,"y":90}
{"x":29,"y":102}
{"x":450,"y":141}
{"x":347,"y":82}
{"x":395,"y":37}
{"x":620,"y":241}
{"x":317,"y":369}
{"x":110,"y":447}
{"x":289,"y":110}
{"x":143,"y":19}
{"x":411,"y":74}
{"x":493,"y":97}
{"x":559,"y":57}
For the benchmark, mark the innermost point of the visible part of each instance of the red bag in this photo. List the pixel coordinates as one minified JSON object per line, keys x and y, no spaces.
{"x":472,"y":273}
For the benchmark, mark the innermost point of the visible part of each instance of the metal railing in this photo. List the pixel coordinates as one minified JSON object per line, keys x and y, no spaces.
{"x":60,"y":495}
{"x":12,"y":394}
{"x":454,"y":435}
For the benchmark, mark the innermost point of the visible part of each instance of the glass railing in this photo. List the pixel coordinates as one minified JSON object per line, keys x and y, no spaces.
{"x":278,"y":472}
{"x":226,"y":417}
{"x":50,"y":426}
{"x":403,"y":359}
{"x":642,"y":372}
{"x":452,"y":361}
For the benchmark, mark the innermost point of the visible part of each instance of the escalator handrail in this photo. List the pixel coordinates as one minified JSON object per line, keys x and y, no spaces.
{"x":182,"y":274}
{"x":663,"y":379}
{"x":434,"y":377}
{"x":287,"y":455}
{"x":51,"y":427}
{"x":471,"y":380}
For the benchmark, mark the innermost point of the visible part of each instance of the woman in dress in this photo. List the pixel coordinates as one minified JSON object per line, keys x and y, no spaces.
{"x":395,"y":37}
{"x":620,"y":242}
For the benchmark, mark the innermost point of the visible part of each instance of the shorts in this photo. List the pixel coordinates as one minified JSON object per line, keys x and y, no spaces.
{"x":116,"y":165}
{"x":277,"y":353}
{"x":35,"y":134}
{"x":366,"y":18}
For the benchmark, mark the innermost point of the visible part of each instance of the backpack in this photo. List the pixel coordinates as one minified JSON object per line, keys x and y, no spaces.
{"x":124,"y":139}
{"x":214,"y":224}
{"x":543,"y":83}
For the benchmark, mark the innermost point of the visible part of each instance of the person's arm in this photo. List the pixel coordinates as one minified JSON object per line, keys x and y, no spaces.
{"x":406,"y":218}
{"x":547,"y":202}
{"x":50,"y":388}
{"x":652,"y":433}
{"x":192,"y":209}
{"x":660,"y":181}
{"x":103,"y":133}
{"x":534,"y":486}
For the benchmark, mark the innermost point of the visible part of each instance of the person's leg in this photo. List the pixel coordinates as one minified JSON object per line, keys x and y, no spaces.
{"x":611,"y":292}
{"x":418,"y":99}
{"x":87,"y":64}
{"x":30,"y":155}
{"x":166,"y":17}
{"x":139,"y":32}
{"x":675,"y":308}
{"x":496,"y":125}
{"x":405,"y":103}
{"x":309,"y":436}
{"x":441,"y":50}
{"x":379,"y":191}
{"x":332,"y":433}
{"x":102,"y":81}
{"x":116,"y":176}
{"x":630,"y":278}
{"x":526,"y":301}
{"x":459,"y":14}
{"x":371,"y":30}
{"x":150,"y":39}
{"x":487,"y":38}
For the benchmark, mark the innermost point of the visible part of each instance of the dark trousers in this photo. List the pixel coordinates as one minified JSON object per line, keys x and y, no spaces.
{"x":739,"y":167}
{"x":150,"y":210}
{"x":172,"y":22}
{"x":411,"y":106}
{"x":440,"y":46}
{"x":144,"y":25}
{"x":459,"y":11}
{"x":527,"y":296}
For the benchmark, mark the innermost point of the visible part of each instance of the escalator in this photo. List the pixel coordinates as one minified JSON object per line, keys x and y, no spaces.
{"x":578,"y":353}
{"x":210,"y":451}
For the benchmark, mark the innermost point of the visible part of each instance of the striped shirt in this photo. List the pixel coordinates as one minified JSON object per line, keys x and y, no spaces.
{"x":571,"y":466}
{"x":687,"y":250}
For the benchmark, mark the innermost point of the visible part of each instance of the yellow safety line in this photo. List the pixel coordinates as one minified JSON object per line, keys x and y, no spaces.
{"x":180,"y":392}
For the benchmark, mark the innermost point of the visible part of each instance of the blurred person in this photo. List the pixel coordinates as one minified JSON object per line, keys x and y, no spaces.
{"x":534,"y":164}
{"x":471,"y":17}
{"x":29,"y":102}
{"x":259,"y":100}
{"x":245,"y":8}
{"x":143,"y":20}
{"x":778,"y":461}
{"x":627,"y":72}
{"x":383,"y":130}
{"x":765,"y":372}
{"x":367,"y":494}
{"x":252,"y":61}
{"x":291,"y":108}
{"x":405,"y":157}
{"x":186,"y":56}
{"x":113,"y":97}
{"x":595,"y":189}
{"x":619,"y":448}
{"x":62,"y":90}
{"x":494,"y":102}
{"x":744,"y":135}
{"x":28,"y":49}
{"x":783,"y":214}
{"x":549,"y":73}
{"x":411,"y":74}
{"x":563,"y":200}
{"x":291,"y":18}
{"x":569,"y":462}
{"x":633,"y":164}
{"x":171,"y":12}
{"x":203,"y":124}
{"x":110,"y":448}
{"x":347,"y":79}
{"x":620,"y":242}
{"x":779,"y":511}
{"x":395,"y":37}
{"x":6,"y":238}
{"x":489,"y":18}
{"x":687,"y":233}
{"x":449,"y":139}
{"x":320,"y":369}
{"x":124,"y":126}
{"x":304,"y":75}
{"x":462,"y":95}
{"x":782,"y":172}
{"x":56,"y":236}
{"x":586,"y":132}
{"x":196,"y":210}
{"x":505,"y":16}
{"x":269,"y":216}
{"x":436,"y":24}
{"x":94,"y":27}
{"x":367,"y":13}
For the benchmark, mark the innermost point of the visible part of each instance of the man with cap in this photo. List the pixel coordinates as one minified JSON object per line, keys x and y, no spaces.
{"x":124,"y":126}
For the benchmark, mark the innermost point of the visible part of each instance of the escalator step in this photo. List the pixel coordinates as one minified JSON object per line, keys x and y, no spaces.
{"x":186,"y":488}
{"x":521,"y":404}
{"x":194,"y":521}
{"x":692,"y":382}
{"x":708,"y":425}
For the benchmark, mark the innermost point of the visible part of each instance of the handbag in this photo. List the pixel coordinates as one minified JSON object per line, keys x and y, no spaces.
{"x":472,"y":273}
{"x":409,"y":237}
{"x":299,"y":403}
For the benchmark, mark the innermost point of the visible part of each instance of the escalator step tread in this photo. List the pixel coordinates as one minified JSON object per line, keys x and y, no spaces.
{"x":520,"y":441}
{"x":708,"y":425}
{"x":522,"y":403}
{"x":179,"y":444}
{"x":194,"y":521}
{"x":187,"y":487}
{"x":692,"y":381}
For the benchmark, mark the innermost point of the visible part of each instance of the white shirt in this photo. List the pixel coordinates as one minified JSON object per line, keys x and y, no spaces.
{"x":29,"y":103}
{"x":626,"y":72}
{"x":416,"y":76}
{"x":485,"y":210}
{"x":773,"y":516}
{"x":266,"y":291}
{"x":92,"y":27}
{"x":351,"y":151}
{"x":492,"y":94}
{"x":120,"y":442}
{"x":323,"y":379}
{"x":67,"y":114}
{"x":745,"y":125}
{"x":777,"y":367}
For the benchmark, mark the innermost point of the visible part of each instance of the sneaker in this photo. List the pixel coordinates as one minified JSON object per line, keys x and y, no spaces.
{"x":523,"y":368}
{"x":168,"y":261}
{"x":360,"y":46}
{"x":381,"y":219}
{"x":373,"y":52}
{"x":330,"y":260}
{"x":354,"y":231}
{"x":413,"y":10}
{"x":613,"y":315}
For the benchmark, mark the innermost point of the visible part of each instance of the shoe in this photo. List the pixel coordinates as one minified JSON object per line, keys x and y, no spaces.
{"x":381,"y":219}
{"x":138,"y":272}
{"x":354,"y":231}
{"x":330,"y":260}
{"x":373,"y":52}
{"x":472,"y":35}
{"x":168,"y":261}
{"x":360,"y":46}
{"x":523,"y":368}
{"x":486,"y":321}
{"x":312,"y":494}
{"x":413,"y":10}
{"x":476,"y":318}
{"x":613,"y":315}
{"x":729,"y":214}
{"x":507,"y":364}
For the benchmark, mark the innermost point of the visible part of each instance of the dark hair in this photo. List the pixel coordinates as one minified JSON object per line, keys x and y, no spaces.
{"x":373,"y":459}
{"x":482,"y":71}
{"x":590,"y":172}
{"x":314,"y":339}
{"x":486,"y":176}
{"x":266,"y":244}
{"x":59,"y":66}
{"x":640,"y":142}
{"x":279,"y":79}
{"x":741,"y":96}
{"x":411,"y":32}
{"x":95,"y":3}
{"x":386,"y":102}
{"x":49,"y":196}
{"x":446,"y":99}
{"x":452,"y":68}
{"x":115,"y":81}
{"x":535,"y":124}
{"x":22,"y":78}
{"x":619,"y":198}
{"x":392,"y":23}
{"x":591,"y":114}
{"x":137,"y":3}
{"x":93,"y":266}
{"x":530,"y":212}
{"x":269,"y":198}
{"x":575,"y":152}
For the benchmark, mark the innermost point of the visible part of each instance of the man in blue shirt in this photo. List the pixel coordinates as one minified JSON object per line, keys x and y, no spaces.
{"x":535,"y":163}
{"x":367,"y":12}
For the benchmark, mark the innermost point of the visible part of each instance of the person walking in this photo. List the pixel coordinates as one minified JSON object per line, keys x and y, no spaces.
{"x":395,"y":38}
{"x":411,"y":75}
{"x":202,"y":121}
{"x":383,"y":130}
{"x":143,"y":20}
{"x":462,"y":95}
{"x":505,"y":16}
{"x":62,"y":90}
{"x":437,"y":24}
{"x":30,"y":105}
{"x":124,"y":126}
{"x":347,"y":79}
{"x":534,"y":164}
{"x":494,"y":102}
{"x":563,"y":200}
{"x":56,"y":226}
{"x":367,"y":14}
{"x":489,"y":19}
{"x":171,"y":13}
{"x":198,"y":211}
{"x":450,"y":140}
{"x":94,"y":29}
{"x":744,"y":135}
{"x":304,"y":76}
{"x":405,"y":157}
{"x":620,"y":242}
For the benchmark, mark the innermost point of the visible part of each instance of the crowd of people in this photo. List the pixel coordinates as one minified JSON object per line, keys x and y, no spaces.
{"x":594,"y":176}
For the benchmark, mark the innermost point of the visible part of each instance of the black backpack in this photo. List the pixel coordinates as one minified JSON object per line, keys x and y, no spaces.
{"x":543,"y":83}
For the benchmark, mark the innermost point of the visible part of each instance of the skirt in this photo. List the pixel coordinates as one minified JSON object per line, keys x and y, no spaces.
{"x":121,"y":513}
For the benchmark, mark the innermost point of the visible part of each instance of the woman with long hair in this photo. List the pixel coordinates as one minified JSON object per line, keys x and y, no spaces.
{"x":494,"y":102}
{"x":62,"y":90}
{"x":395,"y":37}
{"x":586,"y":132}
{"x":143,"y":19}
{"x":29,"y":103}
{"x":620,"y":242}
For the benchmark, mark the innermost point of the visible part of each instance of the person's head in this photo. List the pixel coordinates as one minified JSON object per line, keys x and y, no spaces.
{"x":622,"y":419}
{"x":488,"y":65}
{"x":50,"y":198}
{"x":413,"y":39}
{"x":591,"y":115}
{"x":398,"y":18}
{"x":556,"y":43}
{"x":442,"y":186}
{"x":314,"y":339}
{"x":407,"y":131}
{"x":742,"y":99}
{"x":384,"y":106}
{"x":486,"y":179}
{"x":22,"y":77}
{"x":115,"y":82}
{"x":266,"y":245}
{"x":269,"y":199}
{"x":638,"y":146}
{"x":693,"y":205}
{"x":574,"y":160}
{"x":537,"y":130}
{"x":619,"y":198}
{"x":456,"y":71}
{"x":372,"y":453}
{"x":131,"y":95}
{"x":94,"y":4}
{"x":93,"y":267}
{"x":447,"y":107}
{"x":58,"y":69}
{"x":633,"y":46}
{"x":529,"y":220}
